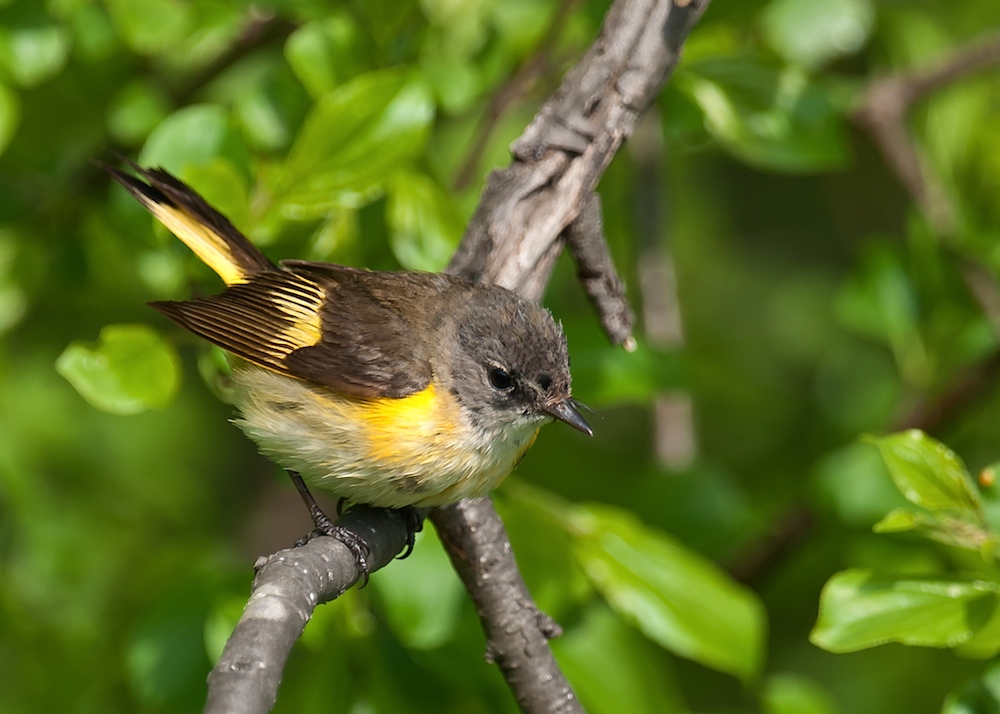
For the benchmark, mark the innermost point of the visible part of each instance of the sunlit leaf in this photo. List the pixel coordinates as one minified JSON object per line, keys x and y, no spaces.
{"x":150,"y":26}
{"x":10,"y":115}
{"x":795,"y":694}
{"x":34,"y":50}
{"x":900,"y":520}
{"x":135,"y":110}
{"x":192,"y":135}
{"x":425,"y":226}
{"x":421,"y":595}
{"x":812,"y":33}
{"x":860,"y":609}
{"x":129,"y":370}
{"x":928,"y":473}
{"x":356,"y":137}
{"x":614,"y":669}
{"x":323,"y":53}
{"x":978,"y":696}
{"x":769,"y":117}
{"x":675,"y":596}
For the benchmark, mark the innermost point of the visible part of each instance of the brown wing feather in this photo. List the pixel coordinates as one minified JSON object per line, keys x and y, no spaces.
{"x":344,"y":328}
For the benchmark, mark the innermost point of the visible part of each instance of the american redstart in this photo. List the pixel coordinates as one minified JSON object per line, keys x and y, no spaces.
{"x":390,"y":389}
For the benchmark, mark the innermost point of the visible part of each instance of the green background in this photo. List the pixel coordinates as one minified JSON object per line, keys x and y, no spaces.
{"x":816,"y":305}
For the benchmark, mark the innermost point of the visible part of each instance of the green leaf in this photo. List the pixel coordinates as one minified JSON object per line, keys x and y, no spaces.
{"x":32,"y":48}
{"x":323,"y":53}
{"x":222,"y":185}
{"x":151,"y":26}
{"x":421,"y":595}
{"x":978,"y":696}
{"x":880,"y":301}
{"x":425,"y":226}
{"x":860,"y":609}
{"x":943,"y":529}
{"x":195,"y":134}
{"x":900,"y":520}
{"x":985,"y":642}
{"x":614,"y":669}
{"x":617,"y":376}
{"x":130,"y":369}
{"x":673,"y":595}
{"x":10,"y":115}
{"x":135,"y":110}
{"x":929,"y":474}
{"x":354,"y":140}
{"x":795,"y":694}
{"x":813,"y":33}
{"x":769,"y":117}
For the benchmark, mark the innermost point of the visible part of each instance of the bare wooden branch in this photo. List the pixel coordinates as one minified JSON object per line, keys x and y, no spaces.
{"x":287,"y":588}
{"x":566,"y":148}
{"x":516,"y":630}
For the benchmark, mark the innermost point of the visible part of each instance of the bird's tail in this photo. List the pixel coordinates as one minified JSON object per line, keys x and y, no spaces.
{"x":204,"y":230}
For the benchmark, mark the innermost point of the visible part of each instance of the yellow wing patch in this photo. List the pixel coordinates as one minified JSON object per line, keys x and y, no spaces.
{"x":302,"y":308}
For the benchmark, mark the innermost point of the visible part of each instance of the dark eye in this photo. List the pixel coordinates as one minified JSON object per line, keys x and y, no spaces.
{"x":544,"y":381}
{"x":500,"y":379}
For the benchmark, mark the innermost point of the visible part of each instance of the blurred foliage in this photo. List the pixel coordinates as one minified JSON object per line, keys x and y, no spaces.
{"x":816,"y":305}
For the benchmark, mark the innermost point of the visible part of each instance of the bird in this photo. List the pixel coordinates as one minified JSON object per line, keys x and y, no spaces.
{"x":394,"y":389}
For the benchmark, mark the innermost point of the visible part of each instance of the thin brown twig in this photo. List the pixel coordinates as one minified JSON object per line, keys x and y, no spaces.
{"x":883,"y":110}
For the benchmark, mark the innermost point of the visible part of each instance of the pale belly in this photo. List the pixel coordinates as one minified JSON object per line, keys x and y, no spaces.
{"x":417,"y":451}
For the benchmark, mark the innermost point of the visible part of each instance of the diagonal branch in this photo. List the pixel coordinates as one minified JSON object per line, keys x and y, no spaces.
{"x":513,"y":239}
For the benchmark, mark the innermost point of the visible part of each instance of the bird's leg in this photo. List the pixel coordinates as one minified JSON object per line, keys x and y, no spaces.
{"x":324,"y":526}
{"x":414,"y":524}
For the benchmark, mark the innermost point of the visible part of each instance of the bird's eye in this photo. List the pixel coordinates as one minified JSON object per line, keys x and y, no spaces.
{"x":500,"y":379}
{"x":544,"y":381}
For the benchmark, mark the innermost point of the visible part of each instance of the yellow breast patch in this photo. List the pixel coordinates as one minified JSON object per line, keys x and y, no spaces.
{"x":410,"y":430}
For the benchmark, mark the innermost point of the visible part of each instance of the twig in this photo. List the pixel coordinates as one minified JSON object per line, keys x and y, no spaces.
{"x":932,"y":413}
{"x":596,"y":272}
{"x":883,"y":111}
{"x":564,"y":151}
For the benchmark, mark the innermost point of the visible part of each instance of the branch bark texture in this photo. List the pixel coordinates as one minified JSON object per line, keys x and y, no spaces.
{"x":287,"y":587}
{"x":513,"y":240}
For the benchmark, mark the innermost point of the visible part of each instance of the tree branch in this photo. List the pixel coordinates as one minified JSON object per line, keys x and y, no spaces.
{"x":513,"y":240}
{"x":517,"y":632}
{"x":287,"y":587}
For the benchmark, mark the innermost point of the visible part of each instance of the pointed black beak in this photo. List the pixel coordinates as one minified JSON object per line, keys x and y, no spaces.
{"x":567,"y":411}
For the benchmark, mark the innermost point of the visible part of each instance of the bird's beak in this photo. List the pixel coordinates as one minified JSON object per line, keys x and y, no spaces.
{"x":567,"y":411}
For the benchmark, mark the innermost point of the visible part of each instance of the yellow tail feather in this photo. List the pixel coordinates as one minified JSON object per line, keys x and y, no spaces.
{"x":199,"y":226}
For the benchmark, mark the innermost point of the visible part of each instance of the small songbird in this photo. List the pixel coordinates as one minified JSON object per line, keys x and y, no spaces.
{"x":390,"y":389}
